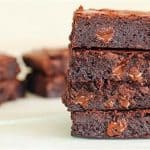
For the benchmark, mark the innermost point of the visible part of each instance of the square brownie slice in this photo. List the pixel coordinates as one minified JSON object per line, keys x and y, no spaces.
{"x":111,"y":124}
{"x":129,"y":66}
{"x":107,"y":28}
{"x":105,"y":95}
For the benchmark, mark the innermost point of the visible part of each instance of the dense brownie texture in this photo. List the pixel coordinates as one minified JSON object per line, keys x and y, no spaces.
{"x":111,"y":124}
{"x":110,"y":29}
{"x":46,"y":86}
{"x":129,"y":66}
{"x":9,"y":67}
{"x":48,"y":61}
{"x":11,"y":89}
{"x":105,"y":95}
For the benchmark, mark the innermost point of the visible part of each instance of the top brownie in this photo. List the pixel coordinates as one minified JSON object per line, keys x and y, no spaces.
{"x":47,"y":61}
{"x":110,"y":29}
{"x":9,"y":67}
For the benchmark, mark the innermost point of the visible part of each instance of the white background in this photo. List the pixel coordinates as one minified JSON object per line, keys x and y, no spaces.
{"x":31,"y":24}
{"x":34,"y":123}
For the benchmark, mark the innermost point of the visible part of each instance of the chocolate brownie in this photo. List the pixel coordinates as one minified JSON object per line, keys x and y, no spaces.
{"x":46,"y":86}
{"x":107,"y":28}
{"x":105,"y":95}
{"x":129,"y":66}
{"x":111,"y":124}
{"x":9,"y":67}
{"x":11,"y":89}
{"x":48,"y":61}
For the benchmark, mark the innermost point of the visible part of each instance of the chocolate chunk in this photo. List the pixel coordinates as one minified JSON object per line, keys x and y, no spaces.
{"x":116,"y":128}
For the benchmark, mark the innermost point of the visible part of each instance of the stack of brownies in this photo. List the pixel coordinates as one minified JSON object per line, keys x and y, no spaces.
{"x":48,"y":71}
{"x":10,"y":87}
{"x":108,"y":82}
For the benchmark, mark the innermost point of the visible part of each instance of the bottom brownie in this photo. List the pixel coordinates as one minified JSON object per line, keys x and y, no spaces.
{"x":46,"y":86}
{"x":111,"y":124}
{"x":11,"y":89}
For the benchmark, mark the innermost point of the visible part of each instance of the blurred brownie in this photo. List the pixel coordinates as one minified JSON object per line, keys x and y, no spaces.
{"x":11,"y":89}
{"x":106,"y":95}
{"x":46,"y":86}
{"x":9,"y":67}
{"x":129,"y":66}
{"x":48,"y":61}
{"x":107,"y":28}
{"x":111,"y":124}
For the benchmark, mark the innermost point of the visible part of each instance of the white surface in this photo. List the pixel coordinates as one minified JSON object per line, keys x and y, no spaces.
{"x":34,"y":123}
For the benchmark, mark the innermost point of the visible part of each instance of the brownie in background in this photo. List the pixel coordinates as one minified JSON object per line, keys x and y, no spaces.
{"x":10,"y":87}
{"x":9,"y":67}
{"x":47,"y":61}
{"x":49,"y":67}
{"x":45,"y":86}
{"x":11,"y":90}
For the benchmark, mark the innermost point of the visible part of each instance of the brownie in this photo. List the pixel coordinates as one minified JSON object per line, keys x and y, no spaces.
{"x":105,"y":95}
{"x":111,"y":124}
{"x":9,"y":67}
{"x":107,"y":28}
{"x":46,"y":86}
{"x":48,"y":61}
{"x":129,"y":66}
{"x":11,"y":89}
